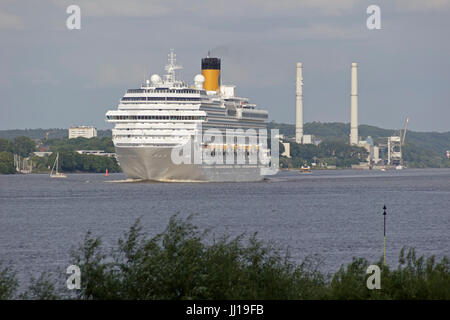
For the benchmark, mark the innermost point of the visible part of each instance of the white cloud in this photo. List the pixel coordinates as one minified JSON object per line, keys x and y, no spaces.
{"x":316,"y":31}
{"x":423,"y":5}
{"x":119,"y":8}
{"x":252,"y":8}
{"x":9,"y":21}
{"x":203,"y":8}
{"x":331,"y":7}
{"x":37,"y":76}
{"x":109,"y":75}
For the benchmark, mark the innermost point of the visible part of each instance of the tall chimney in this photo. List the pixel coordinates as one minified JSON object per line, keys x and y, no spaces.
{"x":299,"y":106}
{"x":354,"y":106}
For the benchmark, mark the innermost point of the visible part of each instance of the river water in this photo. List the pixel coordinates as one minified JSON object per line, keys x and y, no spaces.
{"x":333,"y":214}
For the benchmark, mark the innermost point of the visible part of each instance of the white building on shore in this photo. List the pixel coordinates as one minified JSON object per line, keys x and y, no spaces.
{"x":82,"y":131}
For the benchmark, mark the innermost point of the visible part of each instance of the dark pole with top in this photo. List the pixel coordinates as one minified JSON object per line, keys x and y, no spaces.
{"x":384,"y":234}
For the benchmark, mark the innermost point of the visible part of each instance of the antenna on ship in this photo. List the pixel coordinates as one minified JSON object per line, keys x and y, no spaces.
{"x":171,"y":67}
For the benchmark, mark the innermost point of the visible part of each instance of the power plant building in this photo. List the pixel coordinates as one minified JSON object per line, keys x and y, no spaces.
{"x":309,"y":139}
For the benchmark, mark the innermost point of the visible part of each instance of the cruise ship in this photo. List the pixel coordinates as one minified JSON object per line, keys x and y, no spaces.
{"x":170,"y":131}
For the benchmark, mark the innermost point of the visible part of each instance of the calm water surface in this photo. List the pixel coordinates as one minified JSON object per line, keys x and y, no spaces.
{"x":336,"y":214}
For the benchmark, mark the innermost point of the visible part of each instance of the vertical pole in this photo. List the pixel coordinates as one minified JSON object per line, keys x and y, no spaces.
{"x":384,"y":234}
{"x":299,"y":105}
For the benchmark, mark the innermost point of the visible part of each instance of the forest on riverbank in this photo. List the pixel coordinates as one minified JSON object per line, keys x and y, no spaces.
{"x":421,"y":149}
{"x":70,"y":160}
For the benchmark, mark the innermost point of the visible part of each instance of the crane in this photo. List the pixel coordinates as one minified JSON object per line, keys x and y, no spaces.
{"x":403,"y":135}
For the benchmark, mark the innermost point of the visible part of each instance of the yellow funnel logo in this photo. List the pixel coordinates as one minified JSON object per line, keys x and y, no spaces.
{"x":211,"y":79}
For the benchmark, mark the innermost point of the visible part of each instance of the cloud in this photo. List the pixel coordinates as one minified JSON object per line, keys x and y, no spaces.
{"x":316,"y":31}
{"x":109,"y":75}
{"x":251,"y":8}
{"x":202,"y":8}
{"x":331,"y":7}
{"x":118,"y":8}
{"x":423,"y":5}
{"x":259,"y":41}
{"x":37,"y":76}
{"x":9,"y":21}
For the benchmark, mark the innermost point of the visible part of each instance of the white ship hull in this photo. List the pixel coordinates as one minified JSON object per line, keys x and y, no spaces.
{"x":155,"y":163}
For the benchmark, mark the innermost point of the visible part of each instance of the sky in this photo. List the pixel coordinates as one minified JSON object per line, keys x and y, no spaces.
{"x":53,"y":77}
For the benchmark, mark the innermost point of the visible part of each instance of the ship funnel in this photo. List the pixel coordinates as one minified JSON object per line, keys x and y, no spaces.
{"x":211,"y":72}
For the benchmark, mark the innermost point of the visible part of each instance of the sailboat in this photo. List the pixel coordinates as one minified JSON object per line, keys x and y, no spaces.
{"x":56,"y":174}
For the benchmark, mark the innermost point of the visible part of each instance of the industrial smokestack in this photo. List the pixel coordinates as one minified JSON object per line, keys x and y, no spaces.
{"x":354,"y":106}
{"x":299,"y":106}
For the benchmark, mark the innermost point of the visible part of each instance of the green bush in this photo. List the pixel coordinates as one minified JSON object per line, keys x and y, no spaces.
{"x":42,"y":288}
{"x":23,"y":146}
{"x":183,"y":262}
{"x":8,"y":282}
{"x":179,"y":264}
{"x":7,"y":163}
{"x":96,"y":143}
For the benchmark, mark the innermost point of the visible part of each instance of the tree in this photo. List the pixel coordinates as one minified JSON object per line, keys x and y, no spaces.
{"x":334,"y":152}
{"x":23,"y":146}
{"x":8,"y":282}
{"x":98,"y":143}
{"x":7,"y":163}
{"x":71,"y":161}
{"x":5,"y":145}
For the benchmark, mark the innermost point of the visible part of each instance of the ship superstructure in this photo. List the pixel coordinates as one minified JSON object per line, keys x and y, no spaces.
{"x":165,"y":113}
